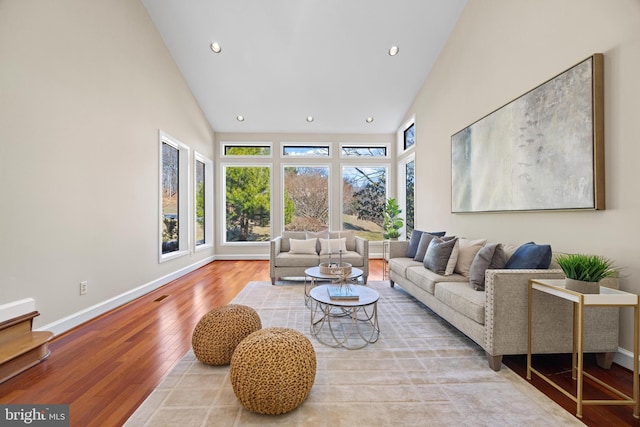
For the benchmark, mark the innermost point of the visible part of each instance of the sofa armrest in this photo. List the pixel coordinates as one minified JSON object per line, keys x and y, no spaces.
{"x":506,"y":317}
{"x":274,"y":250}
{"x":362,"y":247}
{"x":507,"y":307}
{"x":398,"y":248}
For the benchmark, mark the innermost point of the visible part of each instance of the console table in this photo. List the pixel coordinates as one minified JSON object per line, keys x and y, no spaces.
{"x":607,"y":297}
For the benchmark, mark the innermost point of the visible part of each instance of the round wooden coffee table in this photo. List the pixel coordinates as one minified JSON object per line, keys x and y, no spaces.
{"x":344,"y":321}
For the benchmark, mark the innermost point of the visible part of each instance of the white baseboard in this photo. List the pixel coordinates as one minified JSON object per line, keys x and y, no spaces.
{"x":624,"y":358}
{"x":80,"y":317}
{"x":242,"y":257}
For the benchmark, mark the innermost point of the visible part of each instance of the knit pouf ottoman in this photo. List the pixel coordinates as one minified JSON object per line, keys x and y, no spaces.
{"x":273,"y":370}
{"x":219,"y":332}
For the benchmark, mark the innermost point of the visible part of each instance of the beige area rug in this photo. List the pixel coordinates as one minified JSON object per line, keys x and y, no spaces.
{"x":421,"y":372}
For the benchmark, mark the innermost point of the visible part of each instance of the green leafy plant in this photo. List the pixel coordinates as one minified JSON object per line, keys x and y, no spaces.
{"x":587,"y":268}
{"x":392,"y":220}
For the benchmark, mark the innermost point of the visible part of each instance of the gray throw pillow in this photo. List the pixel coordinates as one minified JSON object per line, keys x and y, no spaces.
{"x":438,"y":254}
{"x":414,"y":242}
{"x":425,"y":239}
{"x":490,"y":256}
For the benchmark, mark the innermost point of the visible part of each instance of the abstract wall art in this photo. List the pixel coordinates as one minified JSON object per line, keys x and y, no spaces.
{"x":542,"y":151}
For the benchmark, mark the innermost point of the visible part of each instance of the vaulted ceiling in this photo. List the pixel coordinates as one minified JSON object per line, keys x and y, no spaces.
{"x":284,"y":61}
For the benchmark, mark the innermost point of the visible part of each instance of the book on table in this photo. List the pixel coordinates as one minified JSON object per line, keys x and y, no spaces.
{"x":343,"y":293}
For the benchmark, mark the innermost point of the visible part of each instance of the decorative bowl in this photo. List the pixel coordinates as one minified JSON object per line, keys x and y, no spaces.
{"x":335,"y":268}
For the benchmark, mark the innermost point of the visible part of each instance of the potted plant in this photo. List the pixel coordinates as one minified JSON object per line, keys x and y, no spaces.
{"x":392,"y":221}
{"x":584,"y":272}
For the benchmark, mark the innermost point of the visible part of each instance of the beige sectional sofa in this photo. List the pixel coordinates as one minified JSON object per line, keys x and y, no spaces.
{"x":285,"y":262}
{"x":496,"y":318}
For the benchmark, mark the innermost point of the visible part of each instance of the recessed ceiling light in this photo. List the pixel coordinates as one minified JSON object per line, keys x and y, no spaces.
{"x":240,"y":118}
{"x":393,"y":50}
{"x":369,"y":119}
{"x":309,"y":119}
{"x":215,"y":47}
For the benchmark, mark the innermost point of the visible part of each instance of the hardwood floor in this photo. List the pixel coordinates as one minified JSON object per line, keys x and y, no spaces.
{"x":106,"y":368}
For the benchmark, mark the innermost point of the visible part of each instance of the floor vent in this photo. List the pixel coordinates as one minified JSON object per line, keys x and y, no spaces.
{"x":160,"y":298}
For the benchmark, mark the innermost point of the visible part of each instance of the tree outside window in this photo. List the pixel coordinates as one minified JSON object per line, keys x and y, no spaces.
{"x":170,"y":193}
{"x":410,"y":196}
{"x":248,"y":203}
{"x":364,"y":191}
{"x":306,"y":198}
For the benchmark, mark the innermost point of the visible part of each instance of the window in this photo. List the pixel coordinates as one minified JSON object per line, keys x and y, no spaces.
{"x":364,"y":151}
{"x":364,"y":192}
{"x":174,"y":196}
{"x":259,"y":149}
{"x":409,"y":181}
{"x":247,"y":203}
{"x":306,"y":198}
{"x":310,"y":150}
{"x":409,"y":136}
{"x":203,"y":202}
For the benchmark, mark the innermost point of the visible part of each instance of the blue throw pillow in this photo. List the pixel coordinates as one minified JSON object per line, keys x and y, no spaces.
{"x":530,"y":256}
{"x":414,"y":241}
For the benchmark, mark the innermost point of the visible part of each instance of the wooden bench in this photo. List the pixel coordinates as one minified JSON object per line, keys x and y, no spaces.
{"x":20,"y":346}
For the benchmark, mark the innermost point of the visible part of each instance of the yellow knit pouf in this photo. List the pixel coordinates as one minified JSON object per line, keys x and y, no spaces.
{"x":218,"y":333}
{"x":273,"y":370}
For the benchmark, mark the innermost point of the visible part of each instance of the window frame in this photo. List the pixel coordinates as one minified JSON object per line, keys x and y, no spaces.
{"x":402,"y":188}
{"x":384,"y":145}
{"x":400,"y":136}
{"x":208,"y":202}
{"x":184,"y":197}
{"x":305,"y":165}
{"x":225,"y":144}
{"x":328,"y":145}
{"x":223,"y":202}
{"x":387,"y":168}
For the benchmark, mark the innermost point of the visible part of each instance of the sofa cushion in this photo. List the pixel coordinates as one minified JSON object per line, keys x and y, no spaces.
{"x":352,"y":257}
{"x":333,"y":246}
{"x":427,"y":279}
{"x":284,"y":244}
{"x":307,"y":246}
{"x":530,"y":256}
{"x":461,"y":297}
{"x":350,"y":235}
{"x":438,"y":254}
{"x":490,"y":256}
{"x":414,"y":241}
{"x":401,"y":264}
{"x":467,"y":251}
{"x":322,"y":234}
{"x":287,"y":259}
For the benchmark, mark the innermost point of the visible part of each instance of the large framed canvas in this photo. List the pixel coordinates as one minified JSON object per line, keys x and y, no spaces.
{"x":542,"y":151}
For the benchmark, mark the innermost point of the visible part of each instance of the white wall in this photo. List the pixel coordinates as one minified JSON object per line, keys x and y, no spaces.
{"x":84,"y":88}
{"x":501,"y":49}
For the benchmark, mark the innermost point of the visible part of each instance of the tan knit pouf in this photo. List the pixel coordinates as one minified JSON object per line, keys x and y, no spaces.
{"x":218,"y":333}
{"x":273,"y":370}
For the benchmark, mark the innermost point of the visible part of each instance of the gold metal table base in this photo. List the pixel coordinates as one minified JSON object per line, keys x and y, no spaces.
{"x":606,"y":298}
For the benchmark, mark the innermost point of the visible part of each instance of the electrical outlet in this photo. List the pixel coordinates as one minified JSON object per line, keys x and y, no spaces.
{"x":83,"y":287}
